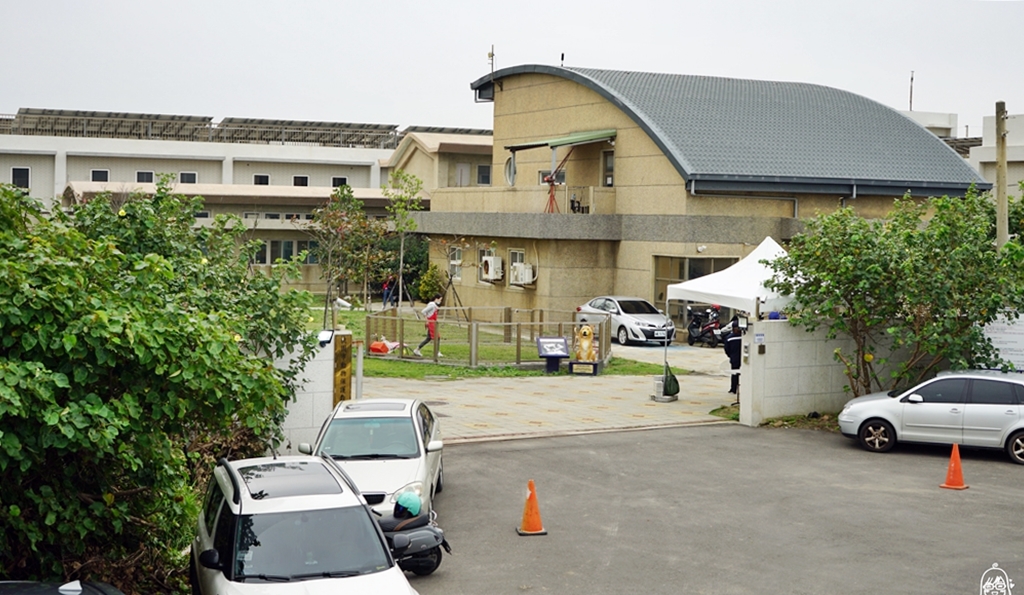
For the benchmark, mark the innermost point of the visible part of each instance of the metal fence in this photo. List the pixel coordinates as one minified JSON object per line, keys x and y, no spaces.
{"x":482,"y":336}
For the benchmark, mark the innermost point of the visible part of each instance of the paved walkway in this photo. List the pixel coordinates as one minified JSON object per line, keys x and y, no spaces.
{"x":505,"y":408}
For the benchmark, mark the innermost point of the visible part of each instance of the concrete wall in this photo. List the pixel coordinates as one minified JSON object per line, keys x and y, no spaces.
{"x":314,"y":400}
{"x":795,"y":376}
{"x":983,"y":158}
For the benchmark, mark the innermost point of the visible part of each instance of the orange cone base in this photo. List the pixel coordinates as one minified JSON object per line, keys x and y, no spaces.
{"x":521,"y":532}
{"x":953,"y":487}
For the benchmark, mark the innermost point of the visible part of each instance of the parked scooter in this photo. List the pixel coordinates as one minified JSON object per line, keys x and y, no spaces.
{"x":415,"y":542}
{"x":704,"y":327}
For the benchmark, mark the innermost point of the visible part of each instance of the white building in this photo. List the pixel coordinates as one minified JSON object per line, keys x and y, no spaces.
{"x":271,"y":173}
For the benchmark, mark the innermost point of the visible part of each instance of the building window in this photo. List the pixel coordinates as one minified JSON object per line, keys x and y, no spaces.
{"x":483,"y":175}
{"x":202,"y":214}
{"x":608,"y":165}
{"x":250,"y":215}
{"x":188,"y":177}
{"x":100,"y":175}
{"x":311,"y":247}
{"x":300,"y":180}
{"x":20,"y":177}
{"x":339,"y":181}
{"x":559,"y":177}
{"x":669,"y":270}
{"x":281,"y":250}
{"x":260,"y":257}
{"x":144,"y":177}
{"x":261,"y":179}
{"x":272,"y":215}
{"x":455,"y":262}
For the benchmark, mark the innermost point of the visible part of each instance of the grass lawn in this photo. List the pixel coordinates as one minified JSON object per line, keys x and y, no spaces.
{"x":355,"y":321}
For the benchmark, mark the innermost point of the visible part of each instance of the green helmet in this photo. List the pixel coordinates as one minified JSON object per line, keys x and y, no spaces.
{"x":408,"y":501}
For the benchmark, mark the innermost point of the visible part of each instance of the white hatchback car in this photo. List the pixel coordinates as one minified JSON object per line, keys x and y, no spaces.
{"x":980,"y":408}
{"x":633,"y":318}
{"x":387,"y":446}
{"x":289,"y":525}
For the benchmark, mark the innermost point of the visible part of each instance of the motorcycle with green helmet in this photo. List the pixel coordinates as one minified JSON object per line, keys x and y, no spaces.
{"x":414,"y":538}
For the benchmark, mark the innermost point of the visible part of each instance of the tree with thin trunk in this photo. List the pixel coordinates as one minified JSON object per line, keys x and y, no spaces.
{"x":403,"y":194}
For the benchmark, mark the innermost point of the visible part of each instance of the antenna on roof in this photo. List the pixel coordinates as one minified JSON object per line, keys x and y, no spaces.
{"x":563,"y":59}
{"x":490,"y":60}
{"x":911,"y":90}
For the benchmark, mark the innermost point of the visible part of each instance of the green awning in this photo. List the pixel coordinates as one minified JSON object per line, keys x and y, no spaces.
{"x":576,"y":138}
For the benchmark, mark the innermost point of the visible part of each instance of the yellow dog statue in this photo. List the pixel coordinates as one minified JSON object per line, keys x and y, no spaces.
{"x":585,"y":344}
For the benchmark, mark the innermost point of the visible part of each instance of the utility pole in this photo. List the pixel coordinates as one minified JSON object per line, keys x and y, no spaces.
{"x":1002,"y":210}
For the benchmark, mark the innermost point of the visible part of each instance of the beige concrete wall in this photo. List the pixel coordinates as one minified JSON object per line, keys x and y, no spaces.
{"x":122,"y":169}
{"x":536,"y":107}
{"x":447,"y":164}
{"x":422,"y":165}
{"x":281,"y":174}
{"x":568,"y":273}
{"x":40,"y":172}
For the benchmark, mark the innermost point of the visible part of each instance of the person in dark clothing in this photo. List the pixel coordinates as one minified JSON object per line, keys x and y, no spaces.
{"x":733,"y":347}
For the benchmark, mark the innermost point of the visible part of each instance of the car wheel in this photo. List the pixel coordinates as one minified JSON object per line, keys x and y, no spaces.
{"x":439,"y":487}
{"x":877,"y":435}
{"x":622,"y":336}
{"x":1015,"y":448}
{"x":193,"y":575}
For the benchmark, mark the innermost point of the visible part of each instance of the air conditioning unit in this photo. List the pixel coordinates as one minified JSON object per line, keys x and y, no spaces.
{"x":521,"y":273}
{"x":490,"y":268}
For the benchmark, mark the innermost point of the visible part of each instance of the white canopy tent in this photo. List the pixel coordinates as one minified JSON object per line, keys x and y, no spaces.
{"x":740,"y":286}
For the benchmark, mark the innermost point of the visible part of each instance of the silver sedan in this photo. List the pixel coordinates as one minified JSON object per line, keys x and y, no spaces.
{"x":979,"y":408}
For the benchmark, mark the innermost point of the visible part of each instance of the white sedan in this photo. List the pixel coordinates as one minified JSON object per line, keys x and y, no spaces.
{"x":633,"y":318}
{"x":387,"y":446}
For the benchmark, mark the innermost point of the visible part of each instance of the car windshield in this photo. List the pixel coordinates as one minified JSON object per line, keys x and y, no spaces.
{"x":287,"y":546}
{"x":637,"y":307}
{"x":371,"y":437}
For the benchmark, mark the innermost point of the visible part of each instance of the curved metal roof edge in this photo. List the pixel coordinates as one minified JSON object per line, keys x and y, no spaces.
{"x":617,"y":100}
{"x":669,"y":150}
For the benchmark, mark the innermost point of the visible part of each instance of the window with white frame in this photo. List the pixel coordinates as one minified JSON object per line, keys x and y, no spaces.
{"x":100,"y":175}
{"x":608,"y":165}
{"x":202,"y":214}
{"x":455,"y":262}
{"x":250,"y":215}
{"x":559,"y":177}
{"x":339,"y":181}
{"x":144,"y":177}
{"x":272,"y":215}
{"x":300,"y":180}
{"x":281,"y":250}
{"x":483,"y":175}
{"x":260,"y":256}
{"x":261,"y":179}
{"x":188,"y":177}
{"x":481,"y":254}
{"x":20,"y":177}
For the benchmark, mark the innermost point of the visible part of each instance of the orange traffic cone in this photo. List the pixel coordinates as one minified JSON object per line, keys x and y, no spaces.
{"x":531,"y":514}
{"x":955,"y":476}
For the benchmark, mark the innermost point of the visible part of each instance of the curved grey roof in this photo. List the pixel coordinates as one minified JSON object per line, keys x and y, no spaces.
{"x":733,"y":135}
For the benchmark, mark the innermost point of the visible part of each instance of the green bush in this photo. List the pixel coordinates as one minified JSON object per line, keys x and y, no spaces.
{"x":135,"y":349}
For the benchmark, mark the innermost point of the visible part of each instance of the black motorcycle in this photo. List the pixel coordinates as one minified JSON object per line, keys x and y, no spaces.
{"x":415,"y":542}
{"x":704,"y":327}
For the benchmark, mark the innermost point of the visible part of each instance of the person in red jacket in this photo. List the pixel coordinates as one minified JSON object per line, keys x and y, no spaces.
{"x":430,"y":314}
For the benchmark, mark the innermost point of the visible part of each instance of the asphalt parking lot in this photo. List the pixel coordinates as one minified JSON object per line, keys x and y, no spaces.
{"x":724,"y":509}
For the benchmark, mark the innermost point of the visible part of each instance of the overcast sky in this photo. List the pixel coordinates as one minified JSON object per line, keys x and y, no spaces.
{"x":410,"y":62}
